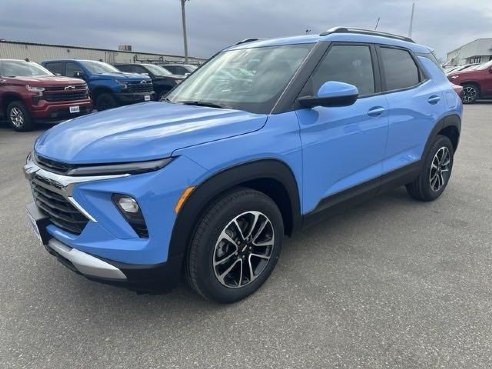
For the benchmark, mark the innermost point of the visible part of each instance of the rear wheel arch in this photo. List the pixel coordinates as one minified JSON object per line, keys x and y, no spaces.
{"x":449,"y":126}
{"x":272,"y":177}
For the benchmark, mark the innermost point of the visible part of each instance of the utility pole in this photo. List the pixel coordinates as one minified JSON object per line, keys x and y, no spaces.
{"x":183,"y":18}
{"x":411,"y":21}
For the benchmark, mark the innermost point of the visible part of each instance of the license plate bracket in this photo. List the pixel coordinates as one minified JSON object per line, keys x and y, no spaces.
{"x":74,"y":109}
{"x":38,"y":222}
{"x":147,"y":98}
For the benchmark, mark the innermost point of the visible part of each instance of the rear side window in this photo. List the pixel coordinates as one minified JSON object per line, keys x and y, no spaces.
{"x":345,"y":63}
{"x":400,"y":70}
{"x":55,"y":68}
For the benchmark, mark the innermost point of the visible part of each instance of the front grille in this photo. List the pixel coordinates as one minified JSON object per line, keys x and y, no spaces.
{"x":66,"y":93}
{"x":52,"y":166}
{"x":58,"y":209}
{"x":140,"y":87}
{"x":67,"y":96}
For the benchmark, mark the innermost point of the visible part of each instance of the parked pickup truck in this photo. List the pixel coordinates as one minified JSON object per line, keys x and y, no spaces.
{"x":108,"y":86}
{"x":163,"y":80}
{"x":29,"y":93}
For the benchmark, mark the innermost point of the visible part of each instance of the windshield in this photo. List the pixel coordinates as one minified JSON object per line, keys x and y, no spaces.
{"x":484,"y":66}
{"x":20,"y":68}
{"x":158,"y":71}
{"x":244,"y":79}
{"x":97,"y":67}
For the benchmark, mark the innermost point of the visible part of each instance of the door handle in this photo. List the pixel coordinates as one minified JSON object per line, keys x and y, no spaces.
{"x":376,"y":111}
{"x":434,"y":99}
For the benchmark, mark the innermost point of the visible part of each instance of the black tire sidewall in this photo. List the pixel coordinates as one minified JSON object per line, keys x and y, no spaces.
{"x":203,"y":244}
{"x":108,"y":99}
{"x":428,"y":192}
{"x":27,"y":125}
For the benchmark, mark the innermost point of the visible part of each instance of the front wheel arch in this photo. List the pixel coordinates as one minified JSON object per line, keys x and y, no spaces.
{"x":259,"y":175}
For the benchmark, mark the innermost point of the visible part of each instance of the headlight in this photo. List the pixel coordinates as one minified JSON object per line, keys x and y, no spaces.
{"x":125,"y":168}
{"x":122,"y":84}
{"x":38,"y":90}
{"x":454,"y":77}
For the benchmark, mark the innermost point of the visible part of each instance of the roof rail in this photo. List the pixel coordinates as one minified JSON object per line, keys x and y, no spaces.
{"x":365,"y":32}
{"x":247,"y":40}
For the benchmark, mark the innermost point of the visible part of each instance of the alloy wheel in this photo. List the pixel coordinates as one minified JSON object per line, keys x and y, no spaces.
{"x":469,"y":94}
{"x":440,"y":169}
{"x":243,"y":249}
{"x":16,"y":117}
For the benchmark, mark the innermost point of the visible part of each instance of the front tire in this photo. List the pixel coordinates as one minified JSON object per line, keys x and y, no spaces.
{"x":105,"y":101}
{"x":235,"y":247}
{"x":470,"y":94}
{"x":436,"y":171}
{"x":19,"y":117}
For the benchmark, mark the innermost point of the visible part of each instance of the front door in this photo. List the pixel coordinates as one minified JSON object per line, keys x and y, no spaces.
{"x":342,"y":146}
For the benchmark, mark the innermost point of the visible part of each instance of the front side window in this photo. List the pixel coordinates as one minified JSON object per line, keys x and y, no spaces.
{"x":20,"y":68}
{"x":344,"y":63}
{"x":400,"y":70}
{"x":250,"y":79}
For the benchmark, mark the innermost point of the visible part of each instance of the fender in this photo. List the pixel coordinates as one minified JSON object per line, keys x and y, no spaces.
{"x":220,"y":183}
{"x":453,"y":120}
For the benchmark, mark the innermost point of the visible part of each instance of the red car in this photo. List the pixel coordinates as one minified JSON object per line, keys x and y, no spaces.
{"x":30,"y":93}
{"x":476,"y":82}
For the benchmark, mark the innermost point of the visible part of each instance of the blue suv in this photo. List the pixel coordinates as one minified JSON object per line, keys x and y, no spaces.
{"x":261,"y":139}
{"x":109,"y":87}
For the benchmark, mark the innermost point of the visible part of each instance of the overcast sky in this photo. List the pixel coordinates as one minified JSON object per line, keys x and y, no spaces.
{"x":155,"y":25}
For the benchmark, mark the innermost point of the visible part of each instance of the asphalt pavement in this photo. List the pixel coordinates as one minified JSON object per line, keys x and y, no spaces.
{"x":392,"y":283}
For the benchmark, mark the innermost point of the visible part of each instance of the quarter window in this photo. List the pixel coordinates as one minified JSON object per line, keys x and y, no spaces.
{"x":345,"y":63}
{"x":400,"y":70}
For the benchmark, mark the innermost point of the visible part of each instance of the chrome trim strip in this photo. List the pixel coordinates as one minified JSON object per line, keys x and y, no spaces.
{"x":85,"y":263}
{"x":81,"y":209}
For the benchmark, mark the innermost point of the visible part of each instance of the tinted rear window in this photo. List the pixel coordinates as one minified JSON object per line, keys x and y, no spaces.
{"x":400,"y":70}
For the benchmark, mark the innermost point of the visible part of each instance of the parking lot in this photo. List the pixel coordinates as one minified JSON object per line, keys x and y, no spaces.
{"x":390,"y":283}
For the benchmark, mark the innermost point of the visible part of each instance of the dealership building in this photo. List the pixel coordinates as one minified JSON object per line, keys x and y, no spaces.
{"x":39,"y":52}
{"x":478,"y":51}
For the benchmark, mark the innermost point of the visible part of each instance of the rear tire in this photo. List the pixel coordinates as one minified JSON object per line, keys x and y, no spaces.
{"x":105,"y":101}
{"x":436,"y":171}
{"x":235,"y":247}
{"x":470,"y":94}
{"x":19,"y":117}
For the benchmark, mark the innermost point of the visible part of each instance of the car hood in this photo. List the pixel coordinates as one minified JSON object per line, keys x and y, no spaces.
{"x":48,"y":80}
{"x":142,"y":132}
{"x":122,"y":76}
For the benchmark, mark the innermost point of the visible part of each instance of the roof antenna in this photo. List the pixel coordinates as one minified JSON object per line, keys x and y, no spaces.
{"x":377,"y":24}
{"x":410,"y":29}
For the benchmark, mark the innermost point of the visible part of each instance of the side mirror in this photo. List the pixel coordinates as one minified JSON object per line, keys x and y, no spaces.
{"x":80,"y":75}
{"x":332,"y":94}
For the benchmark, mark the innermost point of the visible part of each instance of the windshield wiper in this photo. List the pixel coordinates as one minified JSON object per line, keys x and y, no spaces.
{"x":203,"y":103}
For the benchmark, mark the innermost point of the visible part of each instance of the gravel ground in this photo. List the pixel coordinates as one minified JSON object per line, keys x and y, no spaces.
{"x":392,"y":283}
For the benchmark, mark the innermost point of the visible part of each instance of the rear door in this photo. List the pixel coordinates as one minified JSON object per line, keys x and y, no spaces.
{"x":415,"y":104}
{"x":343,"y":146}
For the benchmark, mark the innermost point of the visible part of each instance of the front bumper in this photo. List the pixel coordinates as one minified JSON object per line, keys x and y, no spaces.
{"x":108,"y":249}
{"x":134,"y":97}
{"x":51,"y":111}
{"x":141,"y":278}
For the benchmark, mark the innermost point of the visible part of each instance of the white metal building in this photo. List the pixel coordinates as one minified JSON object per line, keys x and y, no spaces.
{"x":478,"y":51}
{"x":39,"y":52}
